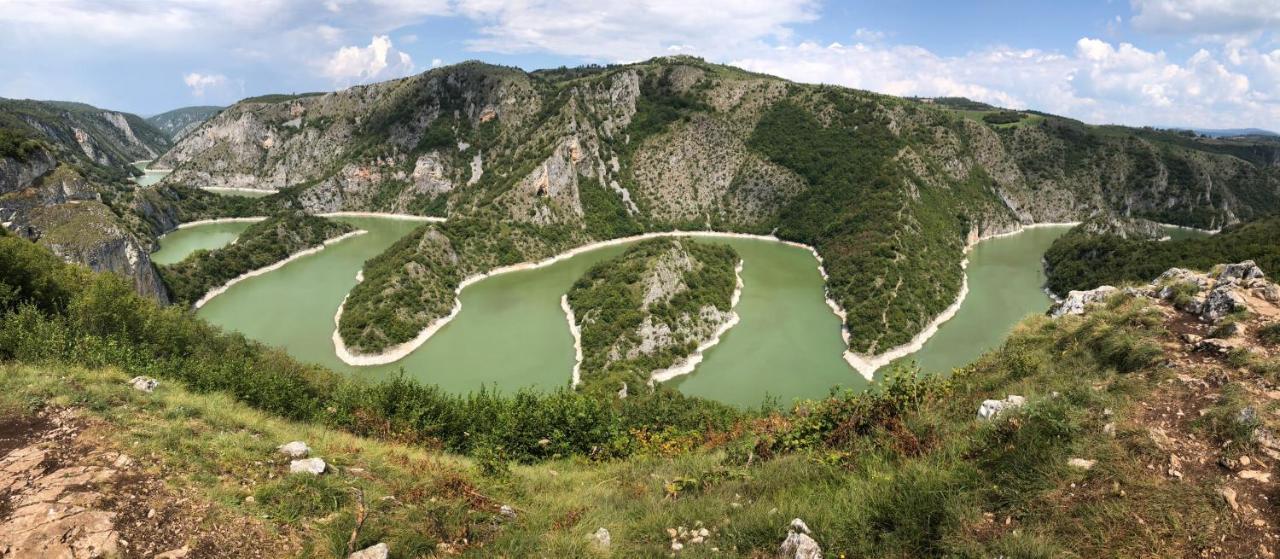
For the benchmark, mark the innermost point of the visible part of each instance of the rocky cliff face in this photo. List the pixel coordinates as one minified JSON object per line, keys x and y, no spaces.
{"x":887,"y":189}
{"x":70,"y":190}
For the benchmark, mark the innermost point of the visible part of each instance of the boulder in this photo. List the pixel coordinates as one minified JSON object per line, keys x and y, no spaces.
{"x":799,"y":544}
{"x":1242,"y":271}
{"x":314,"y":466}
{"x":1076,"y":301}
{"x":990,"y":409}
{"x":378,"y":551}
{"x":145,"y":384}
{"x":295,"y":449}
{"x":1222,"y":301}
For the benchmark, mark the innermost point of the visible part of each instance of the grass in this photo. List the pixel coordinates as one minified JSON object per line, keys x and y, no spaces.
{"x":903,"y":472}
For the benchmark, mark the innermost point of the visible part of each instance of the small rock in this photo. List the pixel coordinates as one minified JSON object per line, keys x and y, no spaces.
{"x":1082,"y":463}
{"x":544,"y":443}
{"x":145,"y":384}
{"x":507,"y":511}
{"x":990,"y":409}
{"x":174,"y":553}
{"x":799,"y":544}
{"x":1255,"y":475}
{"x":622,"y":392}
{"x":313,"y":466}
{"x":295,"y":449}
{"x":602,"y":539}
{"x":123,"y":461}
{"x":676,"y":546}
{"x":1229,"y":495}
{"x":378,"y":551}
{"x":1109,"y":429}
{"x":250,"y":500}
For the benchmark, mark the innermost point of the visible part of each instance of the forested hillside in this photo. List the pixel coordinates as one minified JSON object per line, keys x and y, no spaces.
{"x":1083,"y":260}
{"x":180,"y":122}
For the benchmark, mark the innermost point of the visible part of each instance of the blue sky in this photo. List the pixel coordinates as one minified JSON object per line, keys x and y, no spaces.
{"x":1204,"y":63}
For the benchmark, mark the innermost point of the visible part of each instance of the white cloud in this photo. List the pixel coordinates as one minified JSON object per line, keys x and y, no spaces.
{"x":1097,"y":82}
{"x":1205,"y":17}
{"x":199,"y":83}
{"x":630,"y":30}
{"x":378,"y":61}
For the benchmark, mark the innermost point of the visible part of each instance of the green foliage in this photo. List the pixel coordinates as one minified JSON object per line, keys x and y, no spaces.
{"x":1003,"y":117}
{"x":1270,"y":334}
{"x":17,"y":145}
{"x":1079,"y":261}
{"x":262,"y":244}
{"x":609,"y":306}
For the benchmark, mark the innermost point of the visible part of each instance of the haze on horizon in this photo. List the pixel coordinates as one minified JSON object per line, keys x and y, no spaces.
{"x":1193,"y":63}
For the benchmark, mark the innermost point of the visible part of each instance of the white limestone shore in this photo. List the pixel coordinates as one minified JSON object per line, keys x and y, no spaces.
{"x":234,"y":189}
{"x":577,"y":339}
{"x":252,"y":273}
{"x":220,"y":220}
{"x":685,"y":367}
{"x":403,"y":217}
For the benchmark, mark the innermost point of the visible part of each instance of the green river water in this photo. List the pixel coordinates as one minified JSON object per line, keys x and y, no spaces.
{"x":512,"y":333}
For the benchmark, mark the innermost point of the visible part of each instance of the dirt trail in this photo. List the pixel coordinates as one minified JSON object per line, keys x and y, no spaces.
{"x":65,"y":494}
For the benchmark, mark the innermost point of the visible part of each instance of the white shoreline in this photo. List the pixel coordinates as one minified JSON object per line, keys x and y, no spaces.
{"x":402,"y":217}
{"x":218,"y":220}
{"x":252,"y":273}
{"x":217,"y":189}
{"x":685,"y":367}
{"x":401,"y":350}
{"x":577,"y":340}
{"x":869,"y":364}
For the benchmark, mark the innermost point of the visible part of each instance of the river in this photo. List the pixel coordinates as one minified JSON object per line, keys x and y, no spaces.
{"x":512,"y":333}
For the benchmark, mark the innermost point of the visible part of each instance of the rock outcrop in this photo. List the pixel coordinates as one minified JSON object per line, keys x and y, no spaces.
{"x":1076,"y":301}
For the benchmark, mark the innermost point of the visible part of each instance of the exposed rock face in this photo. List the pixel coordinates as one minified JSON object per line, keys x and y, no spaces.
{"x":1217,"y":295}
{"x":1077,"y":301}
{"x":18,"y":174}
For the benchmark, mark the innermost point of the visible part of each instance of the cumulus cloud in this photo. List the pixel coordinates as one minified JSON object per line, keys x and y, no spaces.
{"x":629,"y":30}
{"x":378,"y":61}
{"x":1205,"y":17}
{"x":1098,"y":81}
{"x":199,"y":83}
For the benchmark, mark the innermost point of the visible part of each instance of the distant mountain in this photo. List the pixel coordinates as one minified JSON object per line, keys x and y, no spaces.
{"x":180,"y":122}
{"x":1232,"y":132}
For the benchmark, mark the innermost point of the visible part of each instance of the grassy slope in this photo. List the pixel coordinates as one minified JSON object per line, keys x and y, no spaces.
{"x":907,"y":473}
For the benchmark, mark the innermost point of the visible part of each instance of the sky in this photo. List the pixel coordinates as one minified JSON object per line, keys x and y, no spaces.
{"x":1194,"y":63}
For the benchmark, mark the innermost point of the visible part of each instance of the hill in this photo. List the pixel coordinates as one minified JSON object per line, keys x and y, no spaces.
{"x":180,"y":122}
{"x":526,"y":165}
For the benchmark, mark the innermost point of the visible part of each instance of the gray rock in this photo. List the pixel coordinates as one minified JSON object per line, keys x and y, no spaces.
{"x":378,"y":551}
{"x":314,"y":466}
{"x":799,"y":544}
{"x":1076,"y":301}
{"x":1221,"y":302}
{"x":507,"y":511}
{"x":990,"y":409}
{"x":622,"y":392}
{"x":145,"y":384}
{"x":295,"y":449}
{"x":1246,"y":270}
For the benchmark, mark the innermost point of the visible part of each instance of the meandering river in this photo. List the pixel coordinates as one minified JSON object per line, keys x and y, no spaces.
{"x":512,"y":333}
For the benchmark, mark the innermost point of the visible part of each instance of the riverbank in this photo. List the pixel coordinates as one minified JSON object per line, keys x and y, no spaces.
{"x":685,"y":367}
{"x":577,"y":339}
{"x":403,"y":217}
{"x":252,"y":273}
{"x":198,"y":223}
{"x":402,"y":350}
{"x":867,"y":365}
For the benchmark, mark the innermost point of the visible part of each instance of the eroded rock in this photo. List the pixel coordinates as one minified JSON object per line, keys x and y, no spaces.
{"x":799,"y":543}
{"x":990,"y":409}
{"x":1077,"y":301}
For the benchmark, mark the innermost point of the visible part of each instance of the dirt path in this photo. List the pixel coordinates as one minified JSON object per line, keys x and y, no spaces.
{"x":65,"y":494}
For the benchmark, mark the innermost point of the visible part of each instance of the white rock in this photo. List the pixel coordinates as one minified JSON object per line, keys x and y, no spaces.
{"x":378,"y":551}
{"x":295,"y":449}
{"x":601,"y":538}
{"x":145,"y":384}
{"x":676,"y":546}
{"x":1081,"y":463}
{"x":799,"y":545}
{"x":507,"y":511}
{"x":1076,"y":301}
{"x":314,"y":466}
{"x":990,"y":409}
